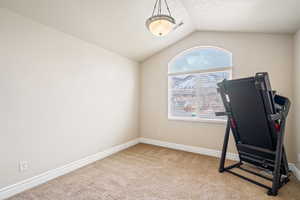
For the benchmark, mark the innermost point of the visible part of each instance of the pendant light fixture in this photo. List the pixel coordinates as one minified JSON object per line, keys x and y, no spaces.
{"x":160,"y":24}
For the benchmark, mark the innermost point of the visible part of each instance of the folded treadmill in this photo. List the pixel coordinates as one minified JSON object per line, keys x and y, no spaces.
{"x":256,"y":117}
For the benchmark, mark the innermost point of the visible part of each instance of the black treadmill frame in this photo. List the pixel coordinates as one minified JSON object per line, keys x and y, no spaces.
{"x":279,"y":179}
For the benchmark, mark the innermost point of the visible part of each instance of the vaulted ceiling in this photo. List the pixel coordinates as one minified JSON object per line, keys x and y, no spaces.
{"x":119,"y":25}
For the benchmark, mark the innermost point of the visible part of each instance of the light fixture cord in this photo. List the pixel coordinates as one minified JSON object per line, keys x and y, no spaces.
{"x":168,"y":8}
{"x":158,"y":7}
{"x":154,"y":8}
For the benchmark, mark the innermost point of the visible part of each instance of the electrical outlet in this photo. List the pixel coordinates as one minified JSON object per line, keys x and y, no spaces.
{"x":23,"y":166}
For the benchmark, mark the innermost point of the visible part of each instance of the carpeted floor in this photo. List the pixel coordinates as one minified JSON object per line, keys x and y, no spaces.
{"x":146,"y":172}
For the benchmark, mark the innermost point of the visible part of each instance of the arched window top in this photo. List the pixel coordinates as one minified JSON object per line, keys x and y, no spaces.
{"x":201,"y":58}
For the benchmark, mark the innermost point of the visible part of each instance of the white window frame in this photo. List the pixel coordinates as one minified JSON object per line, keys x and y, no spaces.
{"x":220,"y":69}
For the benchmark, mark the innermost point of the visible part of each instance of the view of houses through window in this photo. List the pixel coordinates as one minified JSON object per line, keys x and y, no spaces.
{"x":193,"y":78}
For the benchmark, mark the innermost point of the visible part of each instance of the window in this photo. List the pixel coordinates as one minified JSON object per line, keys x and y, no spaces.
{"x":193,"y":77}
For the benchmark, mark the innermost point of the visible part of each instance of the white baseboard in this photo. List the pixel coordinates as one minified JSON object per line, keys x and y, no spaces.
{"x":54,"y":173}
{"x":205,"y":151}
{"x":295,"y":170}
{"x":193,"y":149}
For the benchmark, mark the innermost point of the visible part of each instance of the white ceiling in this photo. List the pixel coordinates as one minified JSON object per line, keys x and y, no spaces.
{"x":267,"y":16}
{"x":119,"y":25}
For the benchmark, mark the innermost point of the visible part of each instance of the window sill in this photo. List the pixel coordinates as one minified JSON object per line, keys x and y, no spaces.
{"x":215,"y":121}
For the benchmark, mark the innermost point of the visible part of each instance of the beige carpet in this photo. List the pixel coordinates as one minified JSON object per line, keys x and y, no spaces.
{"x":146,"y":172}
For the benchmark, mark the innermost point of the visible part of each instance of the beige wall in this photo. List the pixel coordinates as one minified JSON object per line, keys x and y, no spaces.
{"x":251,"y":53}
{"x":61,"y":99}
{"x":297,"y":95}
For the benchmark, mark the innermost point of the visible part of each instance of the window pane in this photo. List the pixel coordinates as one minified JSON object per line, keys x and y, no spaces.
{"x":183,"y":96}
{"x":195,"y":95}
{"x":202,"y":58}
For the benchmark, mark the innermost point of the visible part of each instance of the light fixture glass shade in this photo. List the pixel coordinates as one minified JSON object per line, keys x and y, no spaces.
{"x":160,"y":25}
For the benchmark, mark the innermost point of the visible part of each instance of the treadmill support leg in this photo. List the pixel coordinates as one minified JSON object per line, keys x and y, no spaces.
{"x":225,"y":144}
{"x":278,"y":161}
